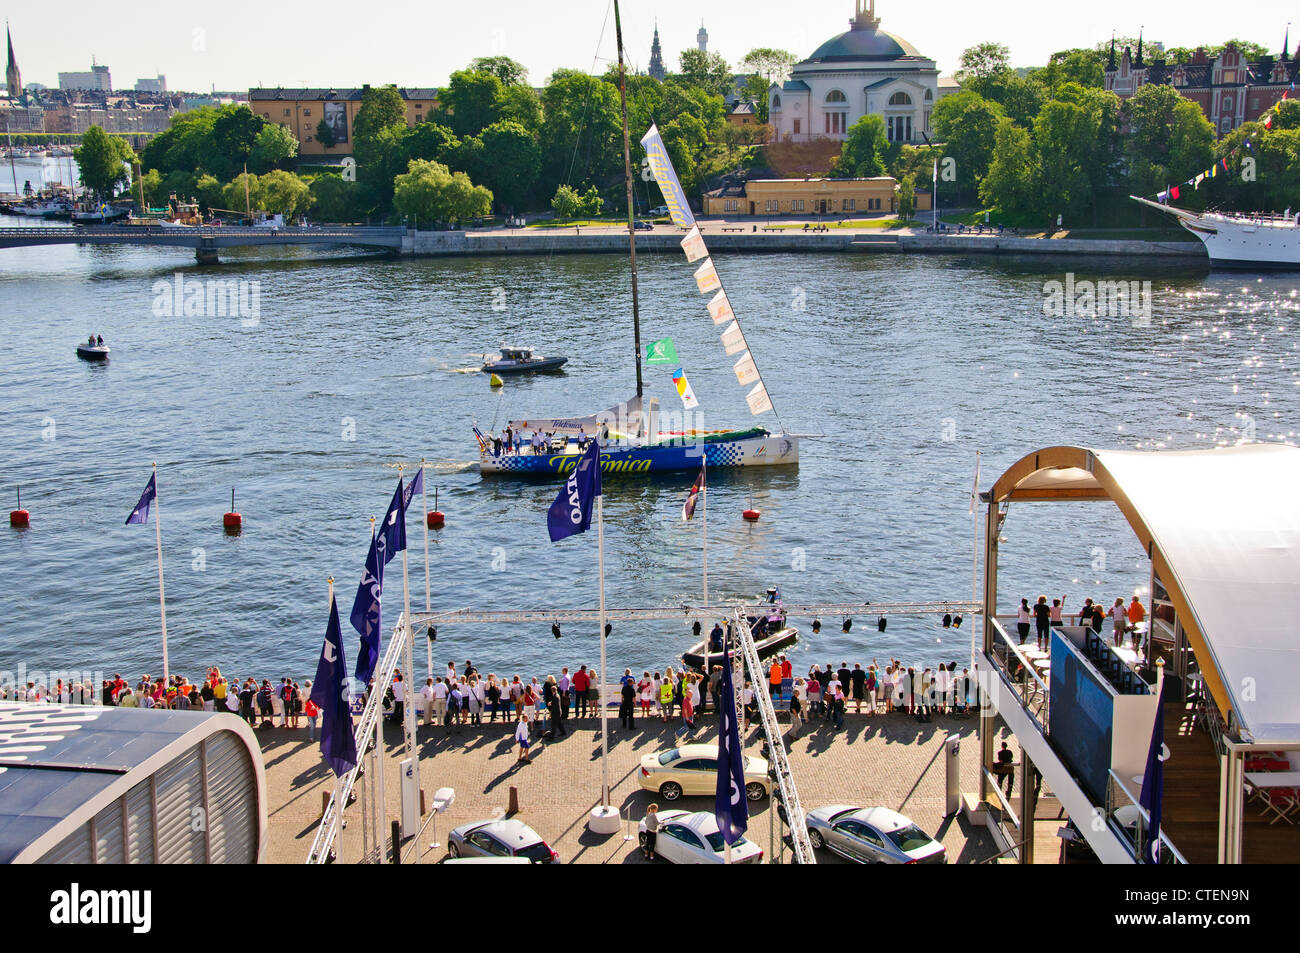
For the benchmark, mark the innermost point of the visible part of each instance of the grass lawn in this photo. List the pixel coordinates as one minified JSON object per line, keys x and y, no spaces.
{"x":597,"y":223}
{"x":862,"y":223}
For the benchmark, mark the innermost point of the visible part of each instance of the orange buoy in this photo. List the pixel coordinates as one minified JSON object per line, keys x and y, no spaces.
{"x":232,"y":522}
{"x":752,"y":515}
{"x":20,"y":518}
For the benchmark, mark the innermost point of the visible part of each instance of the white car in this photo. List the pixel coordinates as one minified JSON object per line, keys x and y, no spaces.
{"x":686,"y":838}
{"x":873,"y":835}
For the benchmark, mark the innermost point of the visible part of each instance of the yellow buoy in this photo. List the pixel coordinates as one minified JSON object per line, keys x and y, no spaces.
{"x":496,"y":381}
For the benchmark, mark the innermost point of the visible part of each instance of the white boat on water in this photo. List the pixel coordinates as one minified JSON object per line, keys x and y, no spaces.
{"x":1241,"y":241}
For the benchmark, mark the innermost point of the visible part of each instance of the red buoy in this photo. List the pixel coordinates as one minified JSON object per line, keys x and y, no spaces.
{"x":752,"y":515}
{"x":232,"y":522}
{"x":436,"y":519}
{"x":20,"y":518}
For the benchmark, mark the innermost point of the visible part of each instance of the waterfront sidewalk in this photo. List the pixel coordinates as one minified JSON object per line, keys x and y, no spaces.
{"x":890,"y":761}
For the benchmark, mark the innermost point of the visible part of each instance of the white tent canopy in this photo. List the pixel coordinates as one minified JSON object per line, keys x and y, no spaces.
{"x":1223,"y":529}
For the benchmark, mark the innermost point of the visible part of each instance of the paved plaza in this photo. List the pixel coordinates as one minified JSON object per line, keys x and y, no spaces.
{"x":887,"y":761}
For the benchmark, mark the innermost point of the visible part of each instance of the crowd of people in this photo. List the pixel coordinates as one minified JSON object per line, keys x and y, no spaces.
{"x":261,"y":704}
{"x":1125,"y":620}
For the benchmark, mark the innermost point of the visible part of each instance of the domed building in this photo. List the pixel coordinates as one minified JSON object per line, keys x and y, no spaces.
{"x":865,"y":71}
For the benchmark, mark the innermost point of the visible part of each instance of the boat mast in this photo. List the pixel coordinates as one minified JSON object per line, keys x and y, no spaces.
{"x":631,"y":209}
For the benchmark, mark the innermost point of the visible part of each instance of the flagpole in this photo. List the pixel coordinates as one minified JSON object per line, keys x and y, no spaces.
{"x":604,"y":709}
{"x":162,"y":598}
{"x":975,"y":557}
{"x":339,"y":804}
{"x":704,"y":513}
{"x":408,"y":650}
{"x":428,"y":605}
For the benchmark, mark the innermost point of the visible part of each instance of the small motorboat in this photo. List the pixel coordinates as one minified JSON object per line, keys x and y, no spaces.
{"x":771,"y":635}
{"x":522,"y":360}
{"x":92,"y":352}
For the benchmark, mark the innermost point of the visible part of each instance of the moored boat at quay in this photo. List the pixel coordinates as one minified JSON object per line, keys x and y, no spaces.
{"x":1266,"y":241}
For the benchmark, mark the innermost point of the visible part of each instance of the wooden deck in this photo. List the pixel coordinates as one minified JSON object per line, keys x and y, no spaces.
{"x":1190,"y":813}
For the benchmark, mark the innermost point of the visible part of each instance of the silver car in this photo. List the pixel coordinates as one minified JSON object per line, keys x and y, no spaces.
{"x":872,"y":835}
{"x":500,"y":839}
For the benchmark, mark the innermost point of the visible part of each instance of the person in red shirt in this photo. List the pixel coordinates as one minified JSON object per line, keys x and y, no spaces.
{"x":786,"y":668}
{"x":581,"y":682}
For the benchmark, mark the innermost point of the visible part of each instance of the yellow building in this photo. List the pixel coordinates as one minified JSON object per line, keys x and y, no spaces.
{"x":301,"y":111}
{"x":808,"y":197}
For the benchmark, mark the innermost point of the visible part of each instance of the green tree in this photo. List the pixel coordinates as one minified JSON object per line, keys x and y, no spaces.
{"x":592,"y":203}
{"x":272,"y":148}
{"x":430,"y":192}
{"x":429,"y":140}
{"x":1064,"y":135}
{"x":103,"y":161}
{"x":512,"y":163}
{"x":1169,"y":138}
{"x":567,"y":203}
{"x":471,"y":102}
{"x":1011,"y":183}
{"x":768,"y":66}
{"x":510,"y":72}
{"x":335,"y":200}
{"x":1084,"y":67}
{"x":863,"y":155}
{"x":381,"y":109}
{"x":982,"y":61}
{"x":907,"y":197}
{"x":283,"y":193}
{"x":520,"y":104}
{"x":966,"y":123}
{"x":233,"y":135}
{"x":325,"y":134}
{"x":582,"y":133}
{"x":707,"y":71}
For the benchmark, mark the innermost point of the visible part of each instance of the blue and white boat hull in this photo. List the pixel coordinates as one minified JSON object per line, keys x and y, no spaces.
{"x":772,"y":450}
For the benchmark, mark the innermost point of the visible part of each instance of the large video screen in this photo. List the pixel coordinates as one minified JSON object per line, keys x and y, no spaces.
{"x":1080,"y":719}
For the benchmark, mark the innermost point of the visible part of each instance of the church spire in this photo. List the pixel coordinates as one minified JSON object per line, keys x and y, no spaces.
{"x":1286,"y":41}
{"x":13,"y":78}
{"x":1110,"y":63}
{"x":656,"y":69}
{"x":1138,"y":61}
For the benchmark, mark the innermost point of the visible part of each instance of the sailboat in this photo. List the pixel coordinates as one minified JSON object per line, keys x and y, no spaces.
{"x":632,"y":435}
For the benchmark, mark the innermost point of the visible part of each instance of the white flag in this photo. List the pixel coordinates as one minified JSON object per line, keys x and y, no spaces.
{"x":746,"y":370}
{"x":732,"y":339}
{"x":706,"y":276}
{"x":759,"y":402}
{"x":693,"y":245}
{"x":975,"y":490}
{"x":720,"y":308}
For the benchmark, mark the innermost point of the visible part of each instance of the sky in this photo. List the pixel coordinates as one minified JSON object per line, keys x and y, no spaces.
{"x":238,"y":44}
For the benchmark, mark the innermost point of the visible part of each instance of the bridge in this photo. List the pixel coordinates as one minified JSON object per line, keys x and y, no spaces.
{"x":205,"y":240}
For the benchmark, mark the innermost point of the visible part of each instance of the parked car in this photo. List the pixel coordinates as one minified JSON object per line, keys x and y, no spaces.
{"x":686,"y":838}
{"x":693,"y":769}
{"x":872,"y":835}
{"x":657,"y":212}
{"x":644,"y":226}
{"x":500,"y":839}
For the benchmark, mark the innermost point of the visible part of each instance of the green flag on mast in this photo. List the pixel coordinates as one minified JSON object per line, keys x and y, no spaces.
{"x":661,"y":352}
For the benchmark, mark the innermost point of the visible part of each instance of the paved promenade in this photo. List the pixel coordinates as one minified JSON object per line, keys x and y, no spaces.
{"x":884,"y":761}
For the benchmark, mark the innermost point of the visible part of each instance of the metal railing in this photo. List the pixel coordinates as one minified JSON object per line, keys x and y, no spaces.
{"x":777,"y":760}
{"x":687,"y":612}
{"x":1018,"y":673}
{"x":1129,"y":820}
{"x":364,"y":732}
